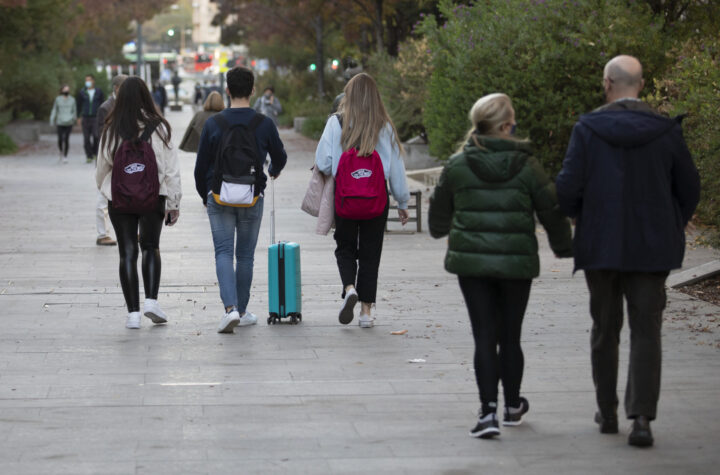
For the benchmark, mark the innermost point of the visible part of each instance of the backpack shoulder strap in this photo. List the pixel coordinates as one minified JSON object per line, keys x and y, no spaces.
{"x":147,"y":133}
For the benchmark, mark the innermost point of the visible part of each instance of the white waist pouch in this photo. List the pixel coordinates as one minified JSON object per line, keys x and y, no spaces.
{"x":237,"y":194}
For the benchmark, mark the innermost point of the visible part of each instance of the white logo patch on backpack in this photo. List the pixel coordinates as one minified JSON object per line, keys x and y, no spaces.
{"x":134,"y":168}
{"x":361,"y":173}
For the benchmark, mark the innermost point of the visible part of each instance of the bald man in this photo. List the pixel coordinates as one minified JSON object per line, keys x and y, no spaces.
{"x":629,"y":182}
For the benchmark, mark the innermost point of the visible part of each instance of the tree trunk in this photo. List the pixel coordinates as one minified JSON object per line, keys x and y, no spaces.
{"x":378,"y":22}
{"x":319,"y":55}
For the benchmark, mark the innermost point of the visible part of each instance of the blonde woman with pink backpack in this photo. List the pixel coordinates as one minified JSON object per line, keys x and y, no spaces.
{"x":361,"y":149}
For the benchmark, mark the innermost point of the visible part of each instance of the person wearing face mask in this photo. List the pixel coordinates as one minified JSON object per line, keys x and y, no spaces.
{"x":89,"y":100}
{"x":268,"y":105}
{"x":486,"y":200}
{"x":64,"y":115}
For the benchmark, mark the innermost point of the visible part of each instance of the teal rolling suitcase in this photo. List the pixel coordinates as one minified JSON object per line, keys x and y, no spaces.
{"x":284,"y":283}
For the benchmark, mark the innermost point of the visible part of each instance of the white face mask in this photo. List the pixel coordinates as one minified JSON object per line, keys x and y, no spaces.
{"x":88,"y":84}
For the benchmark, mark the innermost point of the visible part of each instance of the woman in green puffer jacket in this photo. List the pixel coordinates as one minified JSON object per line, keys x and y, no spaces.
{"x":485,"y":200}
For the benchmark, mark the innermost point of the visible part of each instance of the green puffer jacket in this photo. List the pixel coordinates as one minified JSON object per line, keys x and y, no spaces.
{"x":485,"y":201}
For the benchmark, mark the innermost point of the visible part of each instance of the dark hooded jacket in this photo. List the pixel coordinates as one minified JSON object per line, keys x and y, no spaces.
{"x":630,"y":182}
{"x":485,"y":200}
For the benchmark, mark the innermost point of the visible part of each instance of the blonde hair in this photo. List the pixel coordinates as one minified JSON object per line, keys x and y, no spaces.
{"x":214,"y":102}
{"x":364,"y":116}
{"x":488,"y":115}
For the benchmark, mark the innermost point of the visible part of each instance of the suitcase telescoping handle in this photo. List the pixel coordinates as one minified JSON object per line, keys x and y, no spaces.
{"x":272,"y":210}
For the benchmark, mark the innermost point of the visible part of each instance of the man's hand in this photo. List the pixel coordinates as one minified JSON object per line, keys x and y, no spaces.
{"x":403,"y":214}
{"x":171,"y":216}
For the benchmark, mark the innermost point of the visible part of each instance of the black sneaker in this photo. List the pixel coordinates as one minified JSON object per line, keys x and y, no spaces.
{"x":641,"y":435}
{"x":608,"y":424}
{"x":513,"y":415}
{"x":487,"y":427}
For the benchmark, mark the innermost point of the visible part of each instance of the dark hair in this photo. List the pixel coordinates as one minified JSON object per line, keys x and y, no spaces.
{"x":240,"y":82}
{"x":90,"y":75}
{"x":133,"y":107}
{"x":269,"y":88}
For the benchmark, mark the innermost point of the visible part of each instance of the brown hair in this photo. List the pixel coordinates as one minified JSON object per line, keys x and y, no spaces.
{"x":364,"y":116}
{"x":134,"y":111}
{"x":214,"y":102}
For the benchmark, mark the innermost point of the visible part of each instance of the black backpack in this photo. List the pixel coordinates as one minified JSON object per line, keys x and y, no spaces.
{"x":238,"y":175}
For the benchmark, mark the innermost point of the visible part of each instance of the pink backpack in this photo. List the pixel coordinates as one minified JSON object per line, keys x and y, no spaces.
{"x":360,"y":191}
{"x":135,"y":184}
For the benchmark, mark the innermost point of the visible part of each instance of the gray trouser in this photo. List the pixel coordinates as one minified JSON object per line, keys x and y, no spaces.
{"x":645,"y":295}
{"x":91,"y":136}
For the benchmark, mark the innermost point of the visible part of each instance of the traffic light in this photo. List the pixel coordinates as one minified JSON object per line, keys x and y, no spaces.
{"x":313,"y":67}
{"x":171,"y":32}
{"x":335,"y":64}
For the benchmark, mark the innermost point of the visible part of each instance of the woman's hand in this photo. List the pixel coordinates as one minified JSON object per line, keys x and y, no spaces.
{"x":171,"y":216}
{"x":403,"y":214}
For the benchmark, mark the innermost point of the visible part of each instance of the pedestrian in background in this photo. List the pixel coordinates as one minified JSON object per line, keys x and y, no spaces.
{"x":269,"y":105}
{"x":89,"y":100}
{"x":363,"y":125}
{"x":486,"y":200}
{"x":191,"y":139}
{"x":134,"y":117}
{"x":64,"y":115}
{"x":197,"y":101}
{"x":159,"y":96}
{"x":630,"y":182}
{"x":102,"y":221}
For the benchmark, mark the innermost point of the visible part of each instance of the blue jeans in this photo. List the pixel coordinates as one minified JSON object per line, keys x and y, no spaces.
{"x":234,"y":282}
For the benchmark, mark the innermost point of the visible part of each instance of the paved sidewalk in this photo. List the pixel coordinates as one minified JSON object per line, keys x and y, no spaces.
{"x":80,"y":394}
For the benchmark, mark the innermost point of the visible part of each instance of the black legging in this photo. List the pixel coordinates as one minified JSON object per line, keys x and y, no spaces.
{"x":126,"y":230}
{"x":497,"y":308}
{"x":63,"y":132}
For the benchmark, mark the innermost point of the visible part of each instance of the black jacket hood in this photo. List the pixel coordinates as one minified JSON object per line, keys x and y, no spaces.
{"x":627,"y":128}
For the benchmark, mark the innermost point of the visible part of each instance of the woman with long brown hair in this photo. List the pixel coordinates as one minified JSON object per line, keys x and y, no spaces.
{"x":360,"y":132}
{"x":134,"y":118}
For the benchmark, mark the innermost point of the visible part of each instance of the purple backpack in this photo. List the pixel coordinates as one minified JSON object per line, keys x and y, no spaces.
{"x":135,"y":184}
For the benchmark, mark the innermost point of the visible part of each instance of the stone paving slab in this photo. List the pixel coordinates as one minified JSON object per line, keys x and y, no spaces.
{"x":81,"y":394}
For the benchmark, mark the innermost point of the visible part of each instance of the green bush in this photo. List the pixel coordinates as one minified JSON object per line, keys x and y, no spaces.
{"x":692,"y":87}
{"x":548,"y":56}
{"x":7,"y":146}
{"x":297,"y":92}
{"x":403,"y":84}
{"x":313,"y":127}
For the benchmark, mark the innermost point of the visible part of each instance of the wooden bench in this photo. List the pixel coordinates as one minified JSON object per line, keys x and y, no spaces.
{"x":417,"y":218}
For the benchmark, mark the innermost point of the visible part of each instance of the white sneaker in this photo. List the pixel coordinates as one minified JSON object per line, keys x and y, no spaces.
{"x":247,"y":319}
{"x":133,"y":320}
{"x":153,"y":312}
{"x":228,"y":322}
{"x":347,"y":310}
{"x":366,"y":321}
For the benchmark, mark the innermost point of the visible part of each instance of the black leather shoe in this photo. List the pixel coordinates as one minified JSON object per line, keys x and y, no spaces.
{"x":608,"y":424}
{"x":641,"y":435}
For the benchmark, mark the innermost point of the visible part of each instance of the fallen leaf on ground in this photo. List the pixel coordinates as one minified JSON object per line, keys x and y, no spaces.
{"x":399,"y":332}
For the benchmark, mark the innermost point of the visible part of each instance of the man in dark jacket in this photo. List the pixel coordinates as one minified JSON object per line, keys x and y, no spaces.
{"x":89,"y":100}
{"x":630,"y":182}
